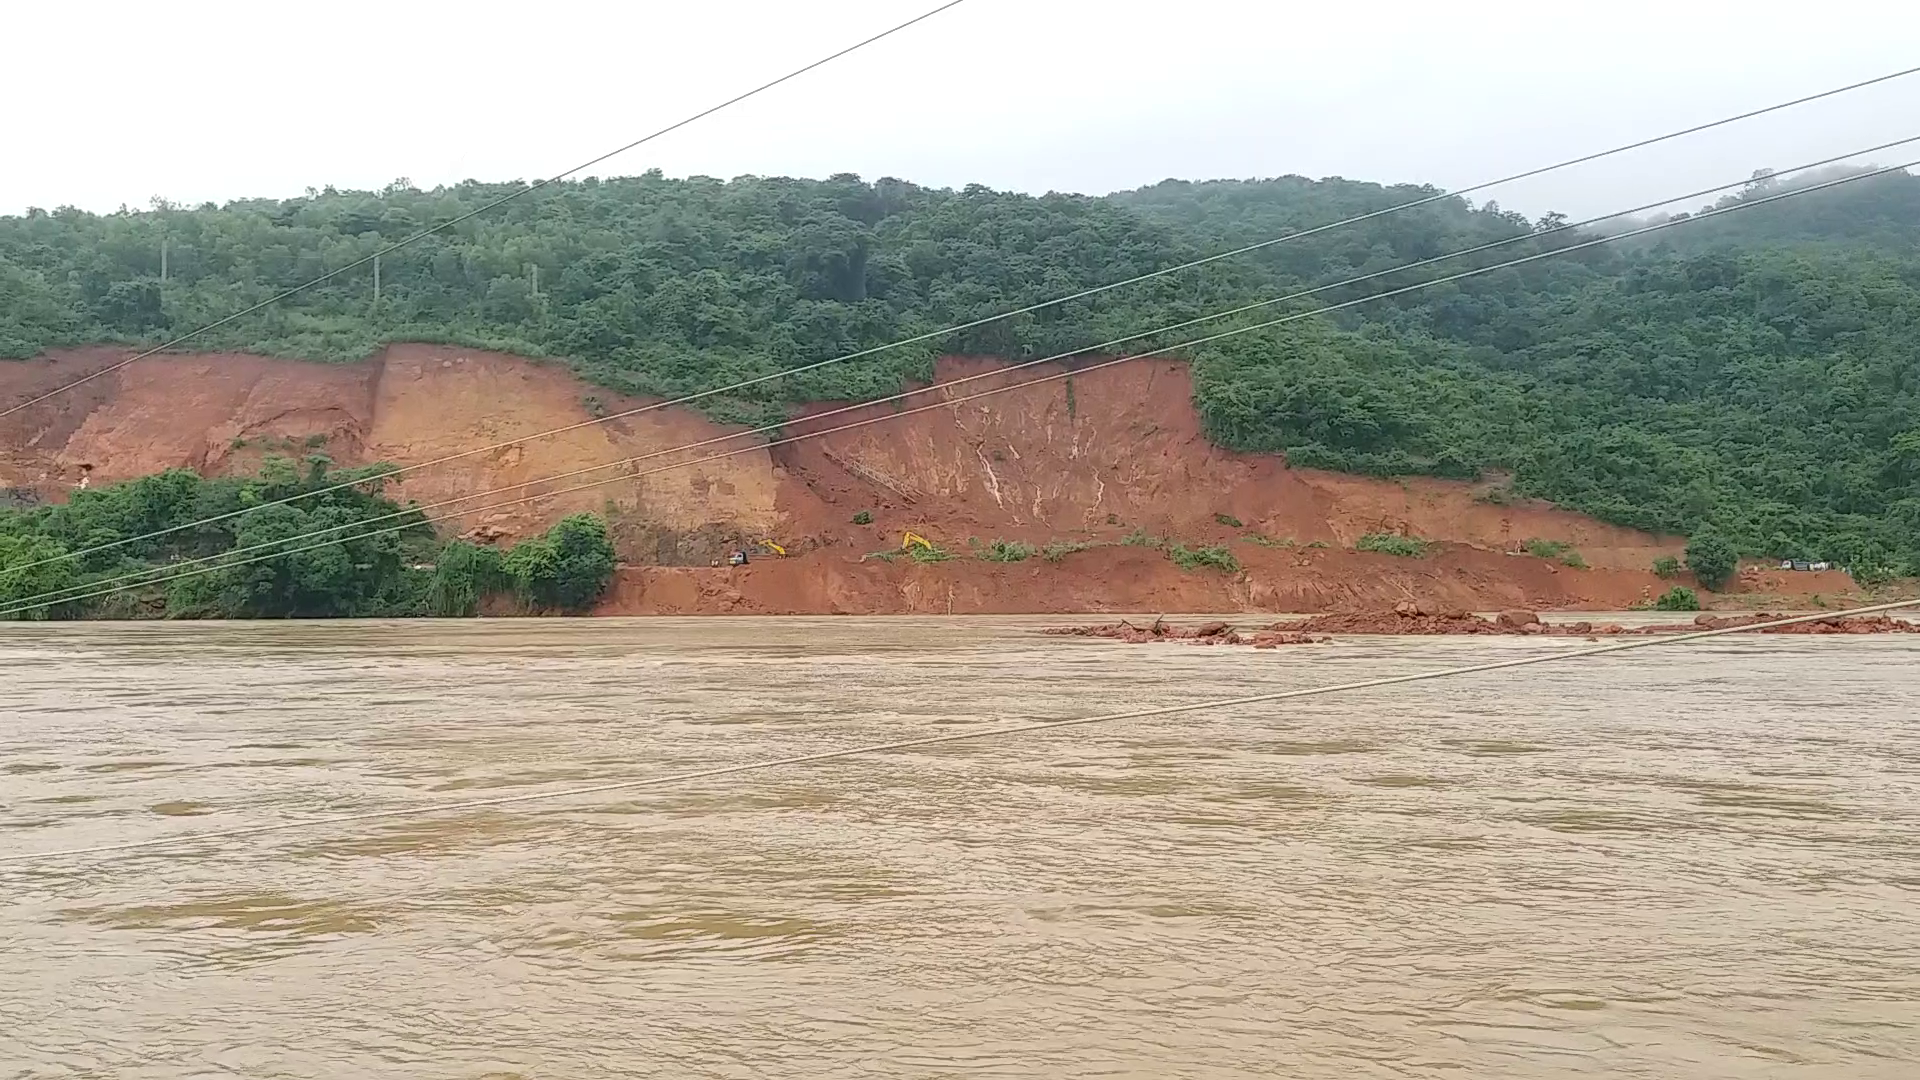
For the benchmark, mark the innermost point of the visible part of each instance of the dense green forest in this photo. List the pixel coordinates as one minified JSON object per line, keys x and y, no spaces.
{"x":275,"y":569}
{"x":1755,"y":372}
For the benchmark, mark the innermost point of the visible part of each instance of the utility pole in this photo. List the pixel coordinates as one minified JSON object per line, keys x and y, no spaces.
{"x":534,"y":268}
{"x":376,"y":281}
{"x":163,"y":259}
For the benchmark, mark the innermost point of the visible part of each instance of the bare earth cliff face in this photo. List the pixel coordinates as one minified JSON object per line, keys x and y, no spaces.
{"x":1087,"y":459}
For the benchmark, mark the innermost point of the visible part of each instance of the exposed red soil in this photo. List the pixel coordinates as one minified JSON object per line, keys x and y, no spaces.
{"x":1086,"y":460}
{"x":1118,"y":579}
{"x":223,"y":413}
{"x":1122,"y":448}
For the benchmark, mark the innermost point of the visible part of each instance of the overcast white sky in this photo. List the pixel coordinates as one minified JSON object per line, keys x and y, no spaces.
{"x":113,"y":103}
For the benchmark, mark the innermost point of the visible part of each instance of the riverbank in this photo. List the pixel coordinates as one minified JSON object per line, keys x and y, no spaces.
{"x":1413,"y":620}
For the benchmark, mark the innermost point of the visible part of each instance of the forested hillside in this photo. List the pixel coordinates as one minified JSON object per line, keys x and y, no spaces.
{"x":1755,"y":373}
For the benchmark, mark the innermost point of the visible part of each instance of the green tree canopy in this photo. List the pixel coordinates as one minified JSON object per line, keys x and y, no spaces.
{"x":1713,"y":560}
{"x":279,"y":561}
{"x":568,"y":568}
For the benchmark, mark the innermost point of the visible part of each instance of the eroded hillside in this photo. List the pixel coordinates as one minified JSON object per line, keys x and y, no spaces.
{"x":1089,"y":459}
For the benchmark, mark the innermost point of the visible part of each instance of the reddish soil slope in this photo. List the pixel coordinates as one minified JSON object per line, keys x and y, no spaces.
{"x":1087,"y":459}
{"x":413,"y":403}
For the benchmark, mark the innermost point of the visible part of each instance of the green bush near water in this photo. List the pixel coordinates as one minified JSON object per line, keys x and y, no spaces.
{"x":1678,"y":598}
{"x":33,"y":566}
{"x":566,"y":569}
{"x":464,"y":575}
{"x":278,"y":558}
{"x":283,"y":566}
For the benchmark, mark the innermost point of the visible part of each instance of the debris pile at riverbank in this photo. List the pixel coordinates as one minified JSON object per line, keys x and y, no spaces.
{"x":1212,"y":633}
{"x":1422,"y":619}
{"x":1411,"y":618}
{"x":1862,"y":624}
{"x":1417,"y":619}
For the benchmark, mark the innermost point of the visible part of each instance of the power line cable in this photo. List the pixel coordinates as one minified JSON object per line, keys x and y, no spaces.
{"x":974,"y":324}
{"x":504,"y":199}
{"x":163,"y":574}
{"x":210,"y":835}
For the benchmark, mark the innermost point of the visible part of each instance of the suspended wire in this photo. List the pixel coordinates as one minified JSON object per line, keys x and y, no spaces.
{"x":210,"y":835}
{"x":225,"y":560}
{"x":504,"y":199}
{"x":958,"y":327}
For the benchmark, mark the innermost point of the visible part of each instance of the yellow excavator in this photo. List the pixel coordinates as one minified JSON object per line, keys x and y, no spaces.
{"x":909,"y":541}
{"x":739,"y":556}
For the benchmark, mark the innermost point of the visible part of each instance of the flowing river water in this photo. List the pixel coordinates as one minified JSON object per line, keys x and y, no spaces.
{"x":1696,"y":861}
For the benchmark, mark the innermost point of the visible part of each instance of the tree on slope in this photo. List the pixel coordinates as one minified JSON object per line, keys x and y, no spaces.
{"x":1712,"y":559}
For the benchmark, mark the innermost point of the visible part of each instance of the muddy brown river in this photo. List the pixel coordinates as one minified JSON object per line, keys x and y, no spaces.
{"x":1697,"y":861}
